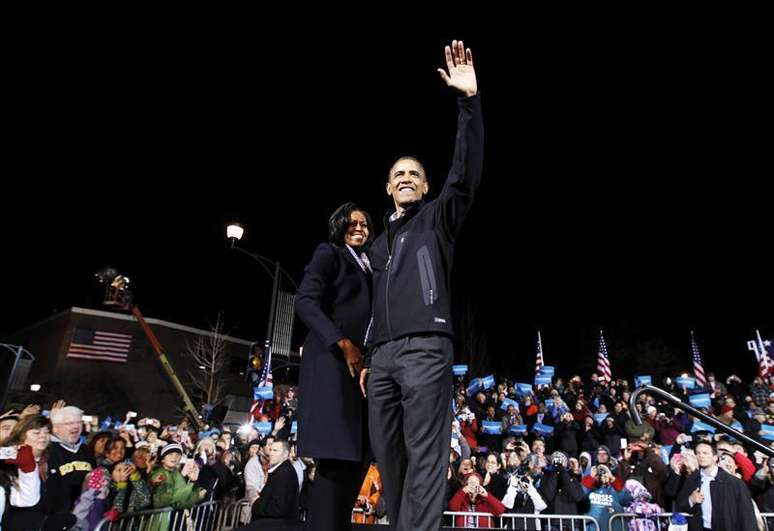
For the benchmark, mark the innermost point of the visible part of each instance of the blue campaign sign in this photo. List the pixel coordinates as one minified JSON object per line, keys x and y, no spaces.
{"x":542,"y":429}
{"x":518,"y":429}
{"x":700,"y":426}
{"x":524,"y":388}
{"x":294,"y":427}
{"x":599,"y":418}
{"x":492,"y":428}
{"x":264,"y":428}
{"x":488,"y":381}
{"x":547,"y":370}
{"x":700,"y":400}
{"x":474,"y":386}
{"x":509,"y":402}
{"x":460,"y":370}
{"x":768,"y":432}
{"x":641,"y":380}
{"x":549,"y":403}
{"x":264,"y":393}
{"x":542,"y":379}
{"x":685,"y":381}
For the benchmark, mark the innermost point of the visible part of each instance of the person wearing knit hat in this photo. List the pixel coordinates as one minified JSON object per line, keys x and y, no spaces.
{"x":173,"y":487}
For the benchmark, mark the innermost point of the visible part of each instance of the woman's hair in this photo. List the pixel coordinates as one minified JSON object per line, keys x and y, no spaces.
{"x":9,"y":473}
{"x":112,"y":442}
{"x":33,"y":422}
{"x":97,"y":437}
{"x":338,"y":224}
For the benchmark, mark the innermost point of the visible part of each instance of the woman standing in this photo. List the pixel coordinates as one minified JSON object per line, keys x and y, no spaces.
{"x":26,"y":471}
{"x":334,"y":301}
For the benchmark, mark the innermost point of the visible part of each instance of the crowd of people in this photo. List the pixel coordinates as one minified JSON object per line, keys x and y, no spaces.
{"x":574,"y":448}
{"x":62,"y":470}
{"x":569,"y":448}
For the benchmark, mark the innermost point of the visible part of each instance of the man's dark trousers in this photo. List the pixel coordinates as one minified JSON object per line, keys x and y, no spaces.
{"x":409,"y":402}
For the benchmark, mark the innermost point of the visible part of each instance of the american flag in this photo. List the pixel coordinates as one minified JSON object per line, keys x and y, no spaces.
{"x":539,"y":356}
{"x":698,"y":366}
{"x":98,"y":345}
{"x":762,"y":349}
{"x":603,"y":361}
{"x":265,"y":381}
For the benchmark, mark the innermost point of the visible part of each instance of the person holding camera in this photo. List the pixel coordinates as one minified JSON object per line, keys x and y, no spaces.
{"x":606,"y":495}
{"x":560,"y":486}
{"x":522,"y":496}
{"x":474,"y":498}
{"x":642,"y":462}
{"x":566,"y":434}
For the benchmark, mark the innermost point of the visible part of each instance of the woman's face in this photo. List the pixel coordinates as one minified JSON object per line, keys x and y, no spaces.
{"x":99,"y":446}
{"x":466,"y":467}
{"x":38,"y":439}
{"x":492,"y":465}
{"x":357,"y":231}
{"x":117,"y":452}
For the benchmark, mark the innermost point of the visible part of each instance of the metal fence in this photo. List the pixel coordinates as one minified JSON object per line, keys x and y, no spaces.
{"x":633,"y":521}
{"x":542,"y":522}
{"x":208,"y":516}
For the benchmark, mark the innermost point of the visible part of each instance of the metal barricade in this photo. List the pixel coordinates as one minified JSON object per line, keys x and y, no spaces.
{"x":626,"y":521}
{"x":541,"y":522}
{"x":203,"y":517}
{"x":235,"y":515}
{"x":768,"y":521}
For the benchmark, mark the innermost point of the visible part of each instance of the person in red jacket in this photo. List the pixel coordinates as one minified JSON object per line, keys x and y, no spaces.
{"x":473,"y":498}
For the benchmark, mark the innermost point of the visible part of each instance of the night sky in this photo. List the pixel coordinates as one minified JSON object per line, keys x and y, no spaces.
{"x":623,"y":184}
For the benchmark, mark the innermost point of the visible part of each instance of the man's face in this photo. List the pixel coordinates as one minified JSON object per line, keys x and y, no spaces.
{"x":69,"y":429}
{"x":277,"y":454}
{"x":704,"y":456}
{"x":407,"y":183}
{"x":6,"y":427}
{"x":618,"y":407}
{"x":602,"y":457}
{"x":490,"y":411}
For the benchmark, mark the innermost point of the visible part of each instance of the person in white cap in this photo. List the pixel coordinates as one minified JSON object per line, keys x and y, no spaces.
{"x":173,"y":487}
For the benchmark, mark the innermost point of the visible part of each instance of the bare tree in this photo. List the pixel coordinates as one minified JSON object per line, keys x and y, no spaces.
{"x":210,"y":360}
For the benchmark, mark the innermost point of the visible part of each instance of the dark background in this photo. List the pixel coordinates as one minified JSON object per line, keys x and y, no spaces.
{"x":624,"y":181}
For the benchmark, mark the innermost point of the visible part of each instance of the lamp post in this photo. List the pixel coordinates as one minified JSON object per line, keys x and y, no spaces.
{"x":234,"y":233}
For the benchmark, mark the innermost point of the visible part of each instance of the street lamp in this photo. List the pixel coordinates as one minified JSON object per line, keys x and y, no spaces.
{"x":234,"y":233}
